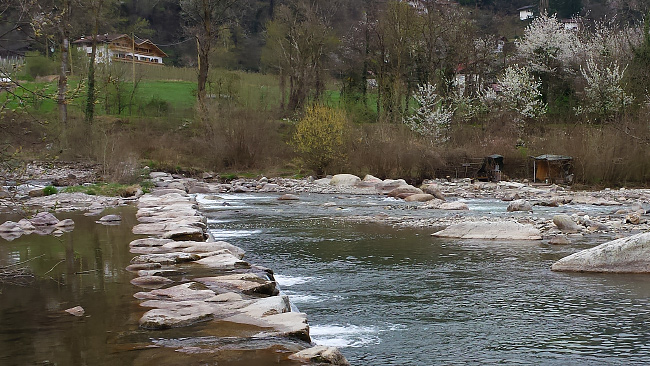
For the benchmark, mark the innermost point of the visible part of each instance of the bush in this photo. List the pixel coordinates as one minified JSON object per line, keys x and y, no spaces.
{"x":50,"y":190}
{"x":319,"y":138}
{"x":39,"y":65}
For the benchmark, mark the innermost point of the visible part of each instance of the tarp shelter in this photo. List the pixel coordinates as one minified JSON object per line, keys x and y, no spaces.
{"x":491,"y":169}
{"x":553,"y":169}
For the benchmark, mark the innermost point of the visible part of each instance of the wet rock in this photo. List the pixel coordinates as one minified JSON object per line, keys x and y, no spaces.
{"x":559,"y":240}
{"x":110,"y":219}
{"x":289,"y":324}
{"x":247,"y":283}
{"x":36,"y":193}
{"x":76,"y":311}
{"x":506,"y":230}
{"x":184,"y":232}
{"x":421,"y":197}
{"x":456,"y":205}
{"x":519,"y":205}
{"x":323,"y":181}
{"x":321,"y":355}
{"x":149,"y":242}
{"x":566,"y":224}
{"x":44,"y":219}
{"x":625,"y":255}
{"x":344,"y":180}
{"x":151,"y":281}
{"x":288,"y":197}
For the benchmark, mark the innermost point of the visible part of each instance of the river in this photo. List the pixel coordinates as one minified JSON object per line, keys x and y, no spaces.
{"x":385,"y":296}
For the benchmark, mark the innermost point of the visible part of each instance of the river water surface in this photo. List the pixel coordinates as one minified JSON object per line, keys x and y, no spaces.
{"x":385,"y":296}
{"x":401,"y":297}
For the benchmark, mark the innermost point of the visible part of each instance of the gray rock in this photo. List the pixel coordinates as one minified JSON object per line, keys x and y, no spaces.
{"x":44,"y":219}
{"x":66,"y":223}
{"x":519,"y":205}
{"x":456,"y":205}
{"x":506,"y":230}
{"x":190,"y":291}
{"x":389,"y":185}
{"x":174,"y":314}
{"x":419,"y":197}
{"x":184,"y":232}
{"x":223,"y":261}
{"x":247,"y":283}
{"x":433,"y":190}
{"x":110,"y":218}
{"x":634,"y":218}
{"x":149,"y":242}
{"x":512,"y":196}
{"x":142,"y":266}
{"x":625,"y":255}
{"x":26,"y":225}
{"x":167,"y":258}
{"x":559,"y":240}
{"x":566,"y":224}
{"x":321,"y":355}
{"x":344,"y":180}
{"x":270,"y":187}
{"x":407,"y":188}
{"x":10,"y":227}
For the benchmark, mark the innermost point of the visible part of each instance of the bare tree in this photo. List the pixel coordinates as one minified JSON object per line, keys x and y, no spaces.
{"x":203,"y":20}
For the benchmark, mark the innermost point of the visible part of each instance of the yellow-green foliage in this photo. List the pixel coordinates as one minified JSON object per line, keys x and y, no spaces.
{"x":320,"y":137}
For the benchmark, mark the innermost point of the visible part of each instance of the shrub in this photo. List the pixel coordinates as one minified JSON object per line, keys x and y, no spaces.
{"x":320,"y":137}
{"x":39,"y":65}
{"x":50,"y":190}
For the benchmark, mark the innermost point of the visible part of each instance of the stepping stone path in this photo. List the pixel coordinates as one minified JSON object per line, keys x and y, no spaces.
{"x":235,"y":292}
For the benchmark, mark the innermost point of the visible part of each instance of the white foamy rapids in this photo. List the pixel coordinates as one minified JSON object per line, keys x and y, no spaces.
{"x":288,"y":281}
{"x":218,"y":234}
{"x":336,"y":335}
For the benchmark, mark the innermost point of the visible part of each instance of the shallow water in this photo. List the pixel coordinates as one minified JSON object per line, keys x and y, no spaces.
{"x":385,"y":296}
{"x":402,"y":297}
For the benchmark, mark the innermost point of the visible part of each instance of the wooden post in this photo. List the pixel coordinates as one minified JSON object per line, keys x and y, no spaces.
{"x":133,"y":57}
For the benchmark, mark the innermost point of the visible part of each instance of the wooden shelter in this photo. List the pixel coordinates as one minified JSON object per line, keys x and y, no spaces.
{"x":553,"y":169}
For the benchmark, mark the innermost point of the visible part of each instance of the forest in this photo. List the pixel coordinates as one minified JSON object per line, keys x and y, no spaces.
{"x":410,"y":89}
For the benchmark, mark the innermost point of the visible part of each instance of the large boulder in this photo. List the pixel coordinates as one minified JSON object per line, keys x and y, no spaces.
{"x":506,"y":230}
{"x":519,"y":205}
{"x":566,"y":224}
{"x":344,"y":180}
{"x":625,"y":255}
{"x":389,"y":184}
{"x":10,"y":227}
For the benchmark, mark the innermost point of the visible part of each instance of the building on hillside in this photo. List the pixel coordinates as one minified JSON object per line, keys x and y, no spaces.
{"x":574,"y":24}
{"x":526,"y":12}
{"x":122,"y":48}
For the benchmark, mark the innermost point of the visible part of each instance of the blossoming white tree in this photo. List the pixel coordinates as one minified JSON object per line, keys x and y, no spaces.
{"x":604,"y":93}
{"x":519,"y":92}
{"x":432,"y":118}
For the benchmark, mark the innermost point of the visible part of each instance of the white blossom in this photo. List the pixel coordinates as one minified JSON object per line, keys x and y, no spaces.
{"x":604,"y":93}
{"x":519,"y":91}
{"x":547,"y":46}
{"x":432,"y":118}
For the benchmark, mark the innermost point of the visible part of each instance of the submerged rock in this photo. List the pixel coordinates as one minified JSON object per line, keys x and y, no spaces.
{"x":76,"y":311}
{"x":151,"y":281}
{"x":506,"y":230}
{"x":625,"y":255}
{"x":288,"y":197}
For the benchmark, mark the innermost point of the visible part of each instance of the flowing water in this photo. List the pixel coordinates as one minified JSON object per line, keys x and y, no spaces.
{"x":384,"y":296}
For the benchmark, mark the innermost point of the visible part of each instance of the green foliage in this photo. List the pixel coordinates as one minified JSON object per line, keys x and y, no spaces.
{"x":39,"y":65}
{"x":104,"y":189}
{"x":319,"y":137}
{"x":50,"y":190}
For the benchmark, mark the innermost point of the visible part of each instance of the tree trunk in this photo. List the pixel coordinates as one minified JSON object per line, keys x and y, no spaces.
{"x":63,"y":80}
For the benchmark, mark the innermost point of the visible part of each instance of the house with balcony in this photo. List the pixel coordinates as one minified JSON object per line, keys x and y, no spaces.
{"x":122,"y":48}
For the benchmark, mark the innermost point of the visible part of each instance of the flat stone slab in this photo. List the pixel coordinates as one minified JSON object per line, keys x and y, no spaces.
{"x":321,"y":355}
{"x":223,"y":261}
{"x":625,"y":255}
{"x":170,"y":314}
{"x":247,"y":283}
{"x":506,"y":230}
